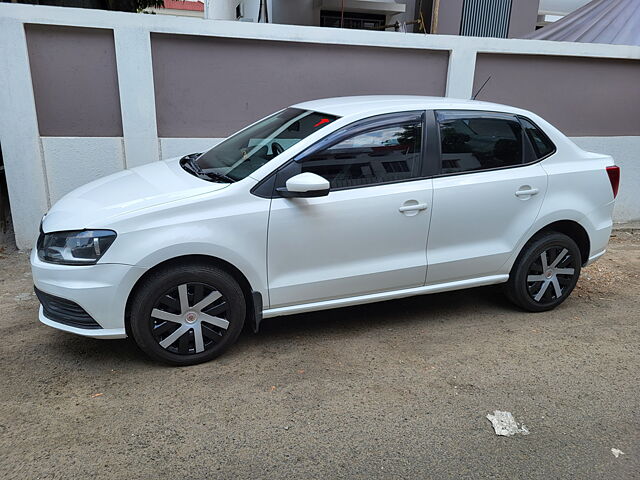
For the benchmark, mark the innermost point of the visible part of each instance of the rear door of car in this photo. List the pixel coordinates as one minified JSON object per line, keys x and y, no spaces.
{"x":487,"y":193}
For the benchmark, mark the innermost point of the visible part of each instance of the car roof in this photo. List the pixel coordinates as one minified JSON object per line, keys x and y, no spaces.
{"x":346,"y":106}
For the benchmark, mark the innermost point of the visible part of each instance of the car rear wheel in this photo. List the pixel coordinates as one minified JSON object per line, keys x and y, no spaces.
{"x":187,"y":314}
{"x":545,"y":272}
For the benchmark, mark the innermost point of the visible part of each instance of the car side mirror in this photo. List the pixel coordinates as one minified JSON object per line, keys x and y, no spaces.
{"x":305,"y":185}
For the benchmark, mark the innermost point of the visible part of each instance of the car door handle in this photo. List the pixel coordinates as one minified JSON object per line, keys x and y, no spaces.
{"x":527,"y":192}
{"x":412,"y":208}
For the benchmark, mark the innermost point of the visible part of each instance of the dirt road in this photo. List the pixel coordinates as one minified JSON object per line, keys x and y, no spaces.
{"x":390,"y":390}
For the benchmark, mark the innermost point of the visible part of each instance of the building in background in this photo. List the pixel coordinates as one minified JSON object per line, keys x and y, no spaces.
{"x":354,"y":14}
{"x":552,"y":10}
{"x":184,"y":8}
{"x":483,"y":18}
{"x":131,"y":6}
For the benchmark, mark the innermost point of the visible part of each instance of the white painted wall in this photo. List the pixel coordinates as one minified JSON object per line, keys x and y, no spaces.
{"x":178,"y":147}
{"x":625,"y":152}
{"x":19,"y":136}
{"x":137,"y":101}
{"x":40,"y":170}
{"x":73,"y":161}
{"x":220,"y":9}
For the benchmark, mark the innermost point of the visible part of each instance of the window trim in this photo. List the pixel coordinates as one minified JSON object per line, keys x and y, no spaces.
{"x":488,"y":114}
{"x":430,"y":167}
{"x":359,"y":126}
{"x":431,"y":151}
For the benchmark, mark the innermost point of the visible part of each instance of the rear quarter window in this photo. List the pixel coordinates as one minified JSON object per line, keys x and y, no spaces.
{"x":541,"y":144}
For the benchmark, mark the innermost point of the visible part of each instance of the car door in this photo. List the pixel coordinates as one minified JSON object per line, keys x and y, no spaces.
{"x":369,"y":233}
{"x":486,"y":196}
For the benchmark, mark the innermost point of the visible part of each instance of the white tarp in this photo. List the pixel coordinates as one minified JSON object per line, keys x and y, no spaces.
{"x":601,"y":21}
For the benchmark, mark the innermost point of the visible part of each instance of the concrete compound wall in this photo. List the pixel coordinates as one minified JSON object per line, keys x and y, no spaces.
{"x":87,"y":93}
{"x":75,"y":81}
{"x":252,"y":73}
{"x":581,"y":96}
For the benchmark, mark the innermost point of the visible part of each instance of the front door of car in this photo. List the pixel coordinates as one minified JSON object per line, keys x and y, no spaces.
{"x":369,"y":233}
{"x":486,"y":198}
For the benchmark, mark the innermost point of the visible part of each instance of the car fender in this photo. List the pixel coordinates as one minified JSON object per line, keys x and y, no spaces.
{"x":225,"y":254}
{"x":540,"y":223}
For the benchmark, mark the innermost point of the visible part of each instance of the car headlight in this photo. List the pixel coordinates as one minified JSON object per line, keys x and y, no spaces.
{"x":84,"y":247}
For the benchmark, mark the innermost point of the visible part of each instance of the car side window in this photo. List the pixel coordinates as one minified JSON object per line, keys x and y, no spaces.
{"x":384,"y":154}
{"x":540,"y":142}
{"x":475,"y":141}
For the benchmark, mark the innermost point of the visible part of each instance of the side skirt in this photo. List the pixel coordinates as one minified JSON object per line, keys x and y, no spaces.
{"x":378,"y":297}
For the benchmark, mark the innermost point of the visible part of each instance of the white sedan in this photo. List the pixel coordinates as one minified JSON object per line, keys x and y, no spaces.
{"x":324,"y":204}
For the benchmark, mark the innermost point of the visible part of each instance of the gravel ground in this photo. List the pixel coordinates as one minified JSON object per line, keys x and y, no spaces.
{"x":398,"y":389}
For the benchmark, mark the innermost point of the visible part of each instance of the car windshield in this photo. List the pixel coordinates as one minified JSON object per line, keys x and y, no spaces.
{"x":244,"y":152}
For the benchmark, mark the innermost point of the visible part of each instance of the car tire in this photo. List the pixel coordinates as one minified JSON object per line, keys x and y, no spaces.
{"x":545,"y":272}
{"x":187,"y":314}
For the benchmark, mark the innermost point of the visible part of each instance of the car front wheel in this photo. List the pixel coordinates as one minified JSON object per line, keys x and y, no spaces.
{"x":187,"y":314}
{"x":545,"y":272}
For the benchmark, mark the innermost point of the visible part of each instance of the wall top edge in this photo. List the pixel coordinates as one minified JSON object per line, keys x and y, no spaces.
{"x":80,"y":17}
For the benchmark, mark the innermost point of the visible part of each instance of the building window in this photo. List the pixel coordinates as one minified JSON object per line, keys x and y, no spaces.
{"x":485,"y":18}
{"x":362,"y":21}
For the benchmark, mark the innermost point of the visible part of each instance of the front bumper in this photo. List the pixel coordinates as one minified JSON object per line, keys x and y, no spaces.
{"x":103,"y":333}
{"x":101,"y":290}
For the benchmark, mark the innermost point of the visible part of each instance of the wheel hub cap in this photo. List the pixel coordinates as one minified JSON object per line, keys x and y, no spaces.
{"x":189,"y":318}
{"x":549,"y":275}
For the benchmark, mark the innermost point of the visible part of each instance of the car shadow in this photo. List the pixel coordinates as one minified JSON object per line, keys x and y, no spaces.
{"x":404,"y":312}
{"x":411,"y":312}
{"x":103,"y":353}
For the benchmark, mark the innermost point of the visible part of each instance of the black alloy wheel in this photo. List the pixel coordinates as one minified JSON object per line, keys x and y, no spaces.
{"x":187,"y":314}
{"x":545,"y":273}
{"x":189,"y":318}
{"x":551,"y":275}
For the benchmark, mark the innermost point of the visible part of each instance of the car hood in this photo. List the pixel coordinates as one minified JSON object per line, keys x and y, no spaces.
{"x":95,"y":204}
